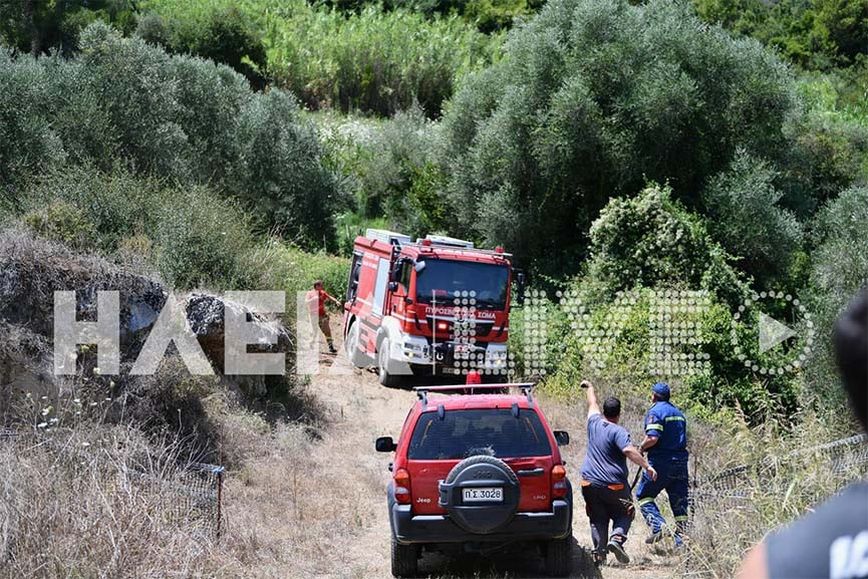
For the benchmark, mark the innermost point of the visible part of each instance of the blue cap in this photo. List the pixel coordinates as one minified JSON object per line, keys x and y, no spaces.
{"x":661,"y":389}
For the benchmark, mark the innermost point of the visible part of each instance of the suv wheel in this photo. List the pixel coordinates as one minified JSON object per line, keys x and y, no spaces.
{"x":351,"y":347}
{"x":480,"y":518}
{"x":405,"y":559}
{"x":559,"y":556}
{"x":386,"y":379}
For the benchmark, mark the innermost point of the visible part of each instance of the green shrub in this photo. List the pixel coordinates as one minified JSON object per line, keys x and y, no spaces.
{"x":223,"y":33}
{"x":62,"y":222}
{"x":286,"y":268}
{"x":202,"y":241}
{"x":347,"y":57}
{"x":817,"y":34}
{"x":745,"y":217}
{"x":28,"y":139}
{"x":593,"y":98}
{"x":830,"y":141}
{"x":351,"y":224}
{"x":181,"y":118}
{"x":840,"y":269}
{"x":56,"y":25}
{"x":837,"y":95}
{"x":652,"y":241}
{"x":191,"y":235}
{"x":280,"y":176}
{"x":117,"y":204}
{"x":374,"y":61}
{"x":616,"y":345}
{"x":390,"y":165}
{"x":488,"y":15}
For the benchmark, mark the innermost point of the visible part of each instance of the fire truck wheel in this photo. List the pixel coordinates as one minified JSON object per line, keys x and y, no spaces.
{"x":351,"y":347}
{"x":386,"y":379}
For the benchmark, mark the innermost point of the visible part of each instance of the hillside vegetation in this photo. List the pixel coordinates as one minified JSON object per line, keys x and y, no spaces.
{"x":625,"y":152}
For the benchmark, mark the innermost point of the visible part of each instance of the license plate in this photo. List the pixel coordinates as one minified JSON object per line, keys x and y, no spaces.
{"x":462,"y":349}
{"x":483,"y":495}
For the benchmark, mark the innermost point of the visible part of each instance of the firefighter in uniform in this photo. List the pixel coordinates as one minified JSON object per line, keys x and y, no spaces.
{"x":666,"y":445}
{"x":319,"y":317}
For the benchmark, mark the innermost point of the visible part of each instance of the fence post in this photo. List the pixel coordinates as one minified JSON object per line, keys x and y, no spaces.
{"x":219,"y":499}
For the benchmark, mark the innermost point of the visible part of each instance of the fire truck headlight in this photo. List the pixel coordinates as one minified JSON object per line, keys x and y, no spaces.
{"x":496,"y":356}
{"x":416,"y":349}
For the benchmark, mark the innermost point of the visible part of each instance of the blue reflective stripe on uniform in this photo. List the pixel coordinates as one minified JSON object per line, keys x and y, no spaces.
{"x":643,"y":502}
{"x":681,"y":518}
{"x":671,"y":418}
{"x":654,"y":427}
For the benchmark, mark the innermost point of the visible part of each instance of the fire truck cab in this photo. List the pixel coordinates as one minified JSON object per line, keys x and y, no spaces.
{"x":434,"y":306}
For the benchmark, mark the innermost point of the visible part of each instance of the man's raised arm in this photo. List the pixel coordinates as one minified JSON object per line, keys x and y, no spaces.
{"x":593,"y":406}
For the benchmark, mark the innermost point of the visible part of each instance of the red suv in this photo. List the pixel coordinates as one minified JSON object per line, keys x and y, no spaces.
{"x":478,"y":472}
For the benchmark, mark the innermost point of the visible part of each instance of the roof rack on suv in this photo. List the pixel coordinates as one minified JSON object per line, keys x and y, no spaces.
{"x":422,"y":391}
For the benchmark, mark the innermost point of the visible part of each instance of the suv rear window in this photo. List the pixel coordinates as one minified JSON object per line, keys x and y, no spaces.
{"x":463,"y":433}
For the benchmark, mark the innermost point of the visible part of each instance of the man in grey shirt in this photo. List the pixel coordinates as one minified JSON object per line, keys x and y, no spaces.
{"x":604,"y":477}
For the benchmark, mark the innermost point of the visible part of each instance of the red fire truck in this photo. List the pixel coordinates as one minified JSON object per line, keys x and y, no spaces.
{"x":434,"y":306}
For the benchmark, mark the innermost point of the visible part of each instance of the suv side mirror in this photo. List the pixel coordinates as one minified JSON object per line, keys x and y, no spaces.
{"x":562,"y":437}
{"x":386,"y":444}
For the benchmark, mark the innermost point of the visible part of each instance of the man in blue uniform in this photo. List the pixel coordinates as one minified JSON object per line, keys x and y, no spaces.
{"x":666,"y":445}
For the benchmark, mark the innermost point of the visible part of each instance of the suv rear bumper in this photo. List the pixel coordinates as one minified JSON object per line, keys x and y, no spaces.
{"x":409,"y":528}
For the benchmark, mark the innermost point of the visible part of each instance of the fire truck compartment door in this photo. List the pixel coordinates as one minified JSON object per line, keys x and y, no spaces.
{"x":380,"y":287}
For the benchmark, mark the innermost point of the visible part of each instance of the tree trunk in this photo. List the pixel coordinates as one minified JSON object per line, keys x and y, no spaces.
{"x":30,"y":25}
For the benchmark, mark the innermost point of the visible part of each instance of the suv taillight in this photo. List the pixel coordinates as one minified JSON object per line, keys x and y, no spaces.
{"x":559,"y":482}
{"x":402,"y":486}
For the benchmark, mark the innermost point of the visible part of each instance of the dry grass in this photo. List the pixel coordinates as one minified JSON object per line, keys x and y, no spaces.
{"x":784,"y":480}
{"x":291,"y":506}
{"x":89,"y":503}
{"x":101,"y":501}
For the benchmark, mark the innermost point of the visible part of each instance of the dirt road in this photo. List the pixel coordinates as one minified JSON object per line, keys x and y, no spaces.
{"x":359,"y":410}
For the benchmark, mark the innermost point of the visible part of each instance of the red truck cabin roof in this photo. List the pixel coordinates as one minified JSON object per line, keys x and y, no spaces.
{"x":433,"y":251}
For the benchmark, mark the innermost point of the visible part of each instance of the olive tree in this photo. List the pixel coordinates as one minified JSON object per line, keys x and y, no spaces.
{"x":593,"y":98}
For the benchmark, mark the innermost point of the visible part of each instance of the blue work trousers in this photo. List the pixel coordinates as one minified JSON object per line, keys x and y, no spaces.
{"x":671,"y":477}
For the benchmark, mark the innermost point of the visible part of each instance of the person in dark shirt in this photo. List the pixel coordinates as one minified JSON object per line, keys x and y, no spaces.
{"x":832,"y":541}
{"x":604,"y":477}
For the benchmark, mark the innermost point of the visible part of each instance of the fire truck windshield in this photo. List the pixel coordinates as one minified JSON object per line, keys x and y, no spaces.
{"x":443,"y":279}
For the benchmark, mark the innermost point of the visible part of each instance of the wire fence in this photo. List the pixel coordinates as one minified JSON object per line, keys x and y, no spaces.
{"x":728,"y":508}
{"x":188,"y":492}
{"x":847,"y":456}
{"x":192,"y":493}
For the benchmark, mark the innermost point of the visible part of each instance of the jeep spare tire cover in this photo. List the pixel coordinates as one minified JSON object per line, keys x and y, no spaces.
{"x":481,"y":471}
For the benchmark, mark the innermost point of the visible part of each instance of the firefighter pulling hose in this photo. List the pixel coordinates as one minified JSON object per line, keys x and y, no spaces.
{"x":319,"y":317}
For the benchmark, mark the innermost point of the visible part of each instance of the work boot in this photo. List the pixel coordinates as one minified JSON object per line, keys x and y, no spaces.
{"x":654,"y":537}
{"x":599,"y":558}
{"x":680,"y":533}
{"x":616,"y":546}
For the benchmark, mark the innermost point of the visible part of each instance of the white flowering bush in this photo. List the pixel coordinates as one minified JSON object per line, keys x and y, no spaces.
{"x":650,"y":241}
